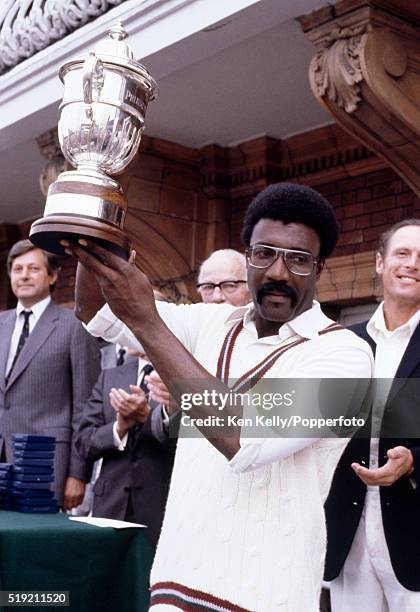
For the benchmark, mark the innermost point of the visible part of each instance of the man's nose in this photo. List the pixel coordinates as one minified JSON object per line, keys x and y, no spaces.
{"x":278,"y":270}
{"x":413,"y":261}
{"x":24,"y":272}
{"x":218,"y":296}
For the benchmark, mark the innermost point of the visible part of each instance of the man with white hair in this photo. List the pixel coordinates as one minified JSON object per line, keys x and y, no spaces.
{"x":222,"y":278}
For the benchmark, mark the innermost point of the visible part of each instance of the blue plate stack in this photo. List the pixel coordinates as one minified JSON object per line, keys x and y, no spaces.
{"x":6,"y":475}
{"x":33,"y":474}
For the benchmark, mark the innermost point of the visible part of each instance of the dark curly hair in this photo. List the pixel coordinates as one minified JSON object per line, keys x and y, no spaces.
{"x":292,"y":203}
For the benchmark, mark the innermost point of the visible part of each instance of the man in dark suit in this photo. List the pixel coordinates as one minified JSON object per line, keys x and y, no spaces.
{"x":48,"y":366}
{"x":373,"y":509}
{"x":120,"y":428}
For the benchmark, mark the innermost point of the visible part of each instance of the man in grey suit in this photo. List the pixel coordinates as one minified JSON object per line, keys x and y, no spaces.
{"x":120,"y":427}
{"x":48,"y":366}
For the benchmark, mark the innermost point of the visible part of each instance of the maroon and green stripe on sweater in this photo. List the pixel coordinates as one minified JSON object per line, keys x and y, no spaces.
{"x":189,"y":600}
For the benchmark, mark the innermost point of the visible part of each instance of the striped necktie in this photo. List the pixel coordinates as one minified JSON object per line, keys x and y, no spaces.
{"x":145,"y":371}
{"x":134,"y":431}
{"x":121,"y":357}
{"x":23,"y":336}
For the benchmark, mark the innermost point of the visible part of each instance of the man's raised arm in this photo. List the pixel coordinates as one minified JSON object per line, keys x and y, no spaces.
{"x":129,"y":295}
{"x":88,"y":295}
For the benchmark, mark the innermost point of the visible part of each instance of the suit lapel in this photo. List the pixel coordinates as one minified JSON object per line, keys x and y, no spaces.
{"x":42,"y":330}
{"x":7,"y":326}
{"x":411,"y":357}
{"x":408,"y":363}
{"x":127,"y":374}
{"x":361,"y":331}
{"x":117,"y":377}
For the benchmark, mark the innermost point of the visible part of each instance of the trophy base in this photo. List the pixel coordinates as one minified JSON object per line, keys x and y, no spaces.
{"x":82,"y":205}
{"x":46,"y":233}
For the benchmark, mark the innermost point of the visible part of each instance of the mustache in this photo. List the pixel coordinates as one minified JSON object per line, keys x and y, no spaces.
{"x":277,"y":287}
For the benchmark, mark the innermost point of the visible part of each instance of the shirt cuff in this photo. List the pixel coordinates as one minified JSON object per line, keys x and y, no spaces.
{"x":107,"y":326}
{"x":120,"y":443}
{"x":258,"y":452}
{"x":102,"y":322}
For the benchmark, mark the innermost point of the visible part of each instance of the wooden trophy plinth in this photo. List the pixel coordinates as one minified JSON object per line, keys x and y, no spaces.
{"x":78,"y":208}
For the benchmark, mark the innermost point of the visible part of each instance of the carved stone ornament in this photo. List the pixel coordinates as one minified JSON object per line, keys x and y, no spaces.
{"x":335,"y":70}
{"x":27,"y":26}
{"x":174,"y":290}
{"x":50,"y":172}
{"x":49,"y":147}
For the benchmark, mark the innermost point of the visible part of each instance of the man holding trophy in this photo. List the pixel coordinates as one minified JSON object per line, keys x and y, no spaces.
{"x":244,"y":527}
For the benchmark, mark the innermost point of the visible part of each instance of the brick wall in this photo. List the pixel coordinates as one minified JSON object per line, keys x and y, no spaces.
{"x":366,"y":206}
{"x":185,"y":203}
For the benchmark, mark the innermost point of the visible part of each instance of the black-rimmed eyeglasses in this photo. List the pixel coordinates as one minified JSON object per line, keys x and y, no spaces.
{"x":297,"y":262}
{"x":228,"y":286}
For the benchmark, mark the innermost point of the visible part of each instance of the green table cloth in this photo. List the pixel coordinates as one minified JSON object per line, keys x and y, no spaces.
{"x":104,"y":569}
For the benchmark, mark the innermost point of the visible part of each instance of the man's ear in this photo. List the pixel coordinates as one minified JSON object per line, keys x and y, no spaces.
{"x":379,"y":264}
{"x":53,"y":278}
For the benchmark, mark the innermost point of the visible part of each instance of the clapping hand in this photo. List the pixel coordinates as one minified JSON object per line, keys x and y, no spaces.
{"x":159,"y":393}
{"x":131,"y":408}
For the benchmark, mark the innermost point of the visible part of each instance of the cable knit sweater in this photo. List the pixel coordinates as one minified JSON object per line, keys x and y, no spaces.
{"x":249,"y":534}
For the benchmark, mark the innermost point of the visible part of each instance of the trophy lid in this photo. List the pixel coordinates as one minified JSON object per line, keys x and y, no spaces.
{"x":114,"y":44}
{"x":114,"y":51}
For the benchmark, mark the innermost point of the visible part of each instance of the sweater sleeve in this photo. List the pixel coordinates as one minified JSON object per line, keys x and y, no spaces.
{"x":352,"y":362}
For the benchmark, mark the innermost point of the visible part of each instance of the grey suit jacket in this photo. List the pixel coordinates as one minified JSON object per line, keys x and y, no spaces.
{"x":49,"y":385}
{"x":142,"y":470}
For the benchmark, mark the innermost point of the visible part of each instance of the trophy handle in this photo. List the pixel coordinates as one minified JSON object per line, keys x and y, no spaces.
{"x":93,"y":78}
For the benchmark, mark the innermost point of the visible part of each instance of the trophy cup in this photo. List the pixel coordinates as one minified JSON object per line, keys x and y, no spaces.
{"x":102,"y":118}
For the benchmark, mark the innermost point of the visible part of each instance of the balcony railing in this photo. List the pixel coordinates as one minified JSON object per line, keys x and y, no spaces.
{"x":27,"y":26}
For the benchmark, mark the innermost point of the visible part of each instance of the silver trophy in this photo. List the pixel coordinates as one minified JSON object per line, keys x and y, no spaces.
{"x":102,"y":118}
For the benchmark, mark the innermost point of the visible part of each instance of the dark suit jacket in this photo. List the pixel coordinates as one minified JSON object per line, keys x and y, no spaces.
{"x":49,"y":385}
{"x":143,"y":470}
{"x":400,"y":502}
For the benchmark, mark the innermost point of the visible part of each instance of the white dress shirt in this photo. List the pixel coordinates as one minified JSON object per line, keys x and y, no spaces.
{"x":37,"y":311}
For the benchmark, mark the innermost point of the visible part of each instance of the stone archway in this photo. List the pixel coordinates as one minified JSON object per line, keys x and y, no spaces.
{"x":158,"y":257}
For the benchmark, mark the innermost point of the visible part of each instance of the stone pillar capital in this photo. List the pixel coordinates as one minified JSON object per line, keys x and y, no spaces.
{"x":366,"y":73}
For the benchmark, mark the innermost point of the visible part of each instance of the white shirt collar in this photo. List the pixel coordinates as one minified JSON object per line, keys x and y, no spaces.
{"x":376,"y":325}
{"x":37,"y":309}
{"x":307,"y":325}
